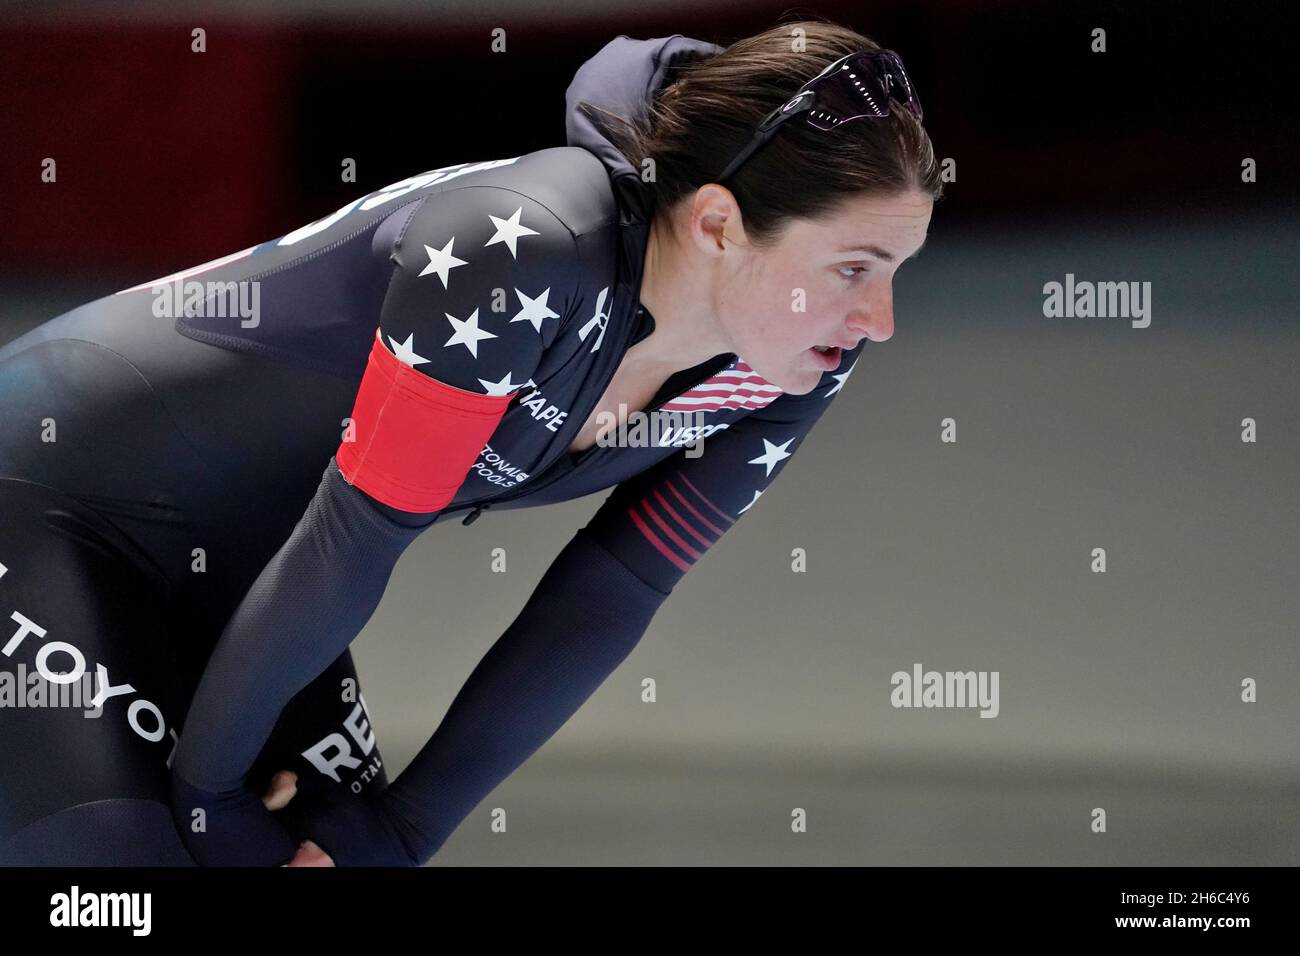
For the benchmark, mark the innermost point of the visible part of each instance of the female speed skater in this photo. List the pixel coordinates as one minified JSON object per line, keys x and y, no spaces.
{"x":206,"y":480}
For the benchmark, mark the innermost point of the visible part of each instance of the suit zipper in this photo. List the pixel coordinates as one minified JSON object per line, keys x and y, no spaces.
{"x":527,"y":490}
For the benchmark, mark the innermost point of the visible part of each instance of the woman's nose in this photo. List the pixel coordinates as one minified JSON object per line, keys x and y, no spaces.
{"x":875,"y":319}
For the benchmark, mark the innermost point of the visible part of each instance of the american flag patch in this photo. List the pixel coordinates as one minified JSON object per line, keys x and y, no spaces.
{"x":736,"y":386}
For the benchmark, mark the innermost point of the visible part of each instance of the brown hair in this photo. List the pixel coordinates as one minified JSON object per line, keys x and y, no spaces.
{"x":709,"y":106}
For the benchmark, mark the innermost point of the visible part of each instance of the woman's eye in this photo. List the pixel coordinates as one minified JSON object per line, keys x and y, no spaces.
{"x":852,"y":271}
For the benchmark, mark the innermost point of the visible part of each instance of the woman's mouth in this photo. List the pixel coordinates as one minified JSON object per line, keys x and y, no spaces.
{"x":828,"y":356}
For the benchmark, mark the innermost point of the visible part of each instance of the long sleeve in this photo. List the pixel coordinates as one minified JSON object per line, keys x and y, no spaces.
{"x":583,"y":619}
{"x":300,"y":614}
{"x":425,"y":407}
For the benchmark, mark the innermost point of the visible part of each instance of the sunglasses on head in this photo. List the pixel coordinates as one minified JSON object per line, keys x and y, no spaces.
{"x":856,"y":86}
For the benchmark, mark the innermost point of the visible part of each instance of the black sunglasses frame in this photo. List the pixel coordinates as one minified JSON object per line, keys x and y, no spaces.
{"x":884,"y":67}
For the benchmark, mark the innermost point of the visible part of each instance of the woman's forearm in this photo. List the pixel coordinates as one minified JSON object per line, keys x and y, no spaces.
{"x":299,"y":615}
{"x":582,"y":620}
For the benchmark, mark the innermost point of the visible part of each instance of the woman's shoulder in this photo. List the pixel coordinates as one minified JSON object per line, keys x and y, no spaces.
{"x":569,"y":182}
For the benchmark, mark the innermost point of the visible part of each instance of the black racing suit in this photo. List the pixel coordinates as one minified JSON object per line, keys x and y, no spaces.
{"x":429,"y":351}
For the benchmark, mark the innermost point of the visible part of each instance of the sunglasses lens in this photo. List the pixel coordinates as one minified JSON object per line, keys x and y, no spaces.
{"x":861,"y":87}
{"x":902,"y":83}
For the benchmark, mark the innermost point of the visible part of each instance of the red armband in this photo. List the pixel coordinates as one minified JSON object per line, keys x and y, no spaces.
{"x":414,"y":438}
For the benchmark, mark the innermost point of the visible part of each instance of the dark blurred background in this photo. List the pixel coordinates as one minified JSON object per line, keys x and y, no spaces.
{"x":1119,"y":690}
{"x":205,"y":153}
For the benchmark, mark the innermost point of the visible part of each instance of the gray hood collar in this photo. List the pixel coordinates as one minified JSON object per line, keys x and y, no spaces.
{"x":621,"y":78}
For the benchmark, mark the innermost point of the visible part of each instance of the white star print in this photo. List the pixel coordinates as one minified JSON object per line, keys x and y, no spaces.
{"x":509,"y":231}
{"x":467,"y":332}
{"x":842,"y":378}
{"x":503,"y":387}
{"x":441,"y":261}
{"x":751,"y":504}
{"x":771,"y":454}
{"x":534,"y":309}
{"x":406,"y":350}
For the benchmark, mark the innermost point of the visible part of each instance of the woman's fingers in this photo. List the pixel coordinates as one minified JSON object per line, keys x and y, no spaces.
{"x":283,"y":786}
{"x":309,"y":854}
{"x":281,"y":790}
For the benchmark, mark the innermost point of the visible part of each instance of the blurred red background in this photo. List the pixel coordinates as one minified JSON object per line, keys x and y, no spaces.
{"x":168,"y":157}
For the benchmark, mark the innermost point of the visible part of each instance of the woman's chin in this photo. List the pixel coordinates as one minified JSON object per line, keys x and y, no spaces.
{"x":797,"y":377}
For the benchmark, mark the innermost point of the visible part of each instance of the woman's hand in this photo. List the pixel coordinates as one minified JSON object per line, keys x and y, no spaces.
{"x":230,"y":827}
{"x":282,"y":789}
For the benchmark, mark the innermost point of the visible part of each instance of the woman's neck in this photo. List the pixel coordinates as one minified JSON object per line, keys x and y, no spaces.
{"x":675,"y":290}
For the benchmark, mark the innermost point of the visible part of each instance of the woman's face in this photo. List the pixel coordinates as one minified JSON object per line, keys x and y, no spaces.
{"x":827,"y":281}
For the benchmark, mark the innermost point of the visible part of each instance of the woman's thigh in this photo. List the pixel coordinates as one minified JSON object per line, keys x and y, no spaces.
{"x":89,"y":709}
{"x":145,"y":480}
{"x":93,"y":695}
